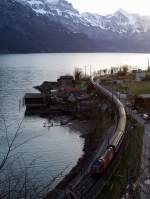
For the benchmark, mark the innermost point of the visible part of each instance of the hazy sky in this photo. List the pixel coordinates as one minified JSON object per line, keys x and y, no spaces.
{"x":109,"y":6}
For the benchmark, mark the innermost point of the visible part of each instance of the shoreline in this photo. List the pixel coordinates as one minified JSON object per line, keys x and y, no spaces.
{"x":87,"y":130}
{"x":75,"y":52}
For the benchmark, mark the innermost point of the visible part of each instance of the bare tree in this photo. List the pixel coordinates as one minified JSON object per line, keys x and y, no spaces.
{"x":105,"y":71}
{"x":16,"y":181}
{"x":78,"y":74}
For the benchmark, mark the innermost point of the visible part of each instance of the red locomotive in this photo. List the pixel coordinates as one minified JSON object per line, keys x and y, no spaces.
{"x":101,"y":163}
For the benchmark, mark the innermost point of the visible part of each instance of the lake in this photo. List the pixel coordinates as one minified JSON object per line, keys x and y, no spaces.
{"x":56,"y":148}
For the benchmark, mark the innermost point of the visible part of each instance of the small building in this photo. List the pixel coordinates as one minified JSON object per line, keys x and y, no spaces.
{"x":77,"y":95}
{"x":65,"y":81}
{"x":142,"y":102}
{"x":118,"y":81}
{"x":35,"y":101}
{"x":65,"y":92}
{"x":46,"y":87}
{"x":140,"y":75}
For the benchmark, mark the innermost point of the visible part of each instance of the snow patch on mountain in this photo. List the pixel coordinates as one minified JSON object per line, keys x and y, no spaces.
{"x":93,"y":19}
{"x":120,"y":14}
{"x":121,"y":22}
{"x":62,"y":11}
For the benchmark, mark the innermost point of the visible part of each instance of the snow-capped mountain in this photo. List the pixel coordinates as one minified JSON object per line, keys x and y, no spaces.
{"x":56,"y":26}
{"x":23,"y":30}
{"x":50,"y":7}
{"x":62,"y":11}
{"x":58,"y":11}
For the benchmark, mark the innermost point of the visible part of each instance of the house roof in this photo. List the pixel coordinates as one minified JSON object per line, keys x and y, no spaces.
{"x":68,"y":77}
{"x":71,"y":90}
{"x":33,"y":95}
{"x":46,"y":86}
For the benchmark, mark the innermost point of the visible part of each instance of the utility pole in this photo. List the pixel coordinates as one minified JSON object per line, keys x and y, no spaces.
{"x":85,"y":70}
{"x":148,"y":64}
{"x":90,"y":70}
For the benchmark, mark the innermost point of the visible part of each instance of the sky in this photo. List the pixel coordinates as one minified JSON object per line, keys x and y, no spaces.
{"x":104,"y":7}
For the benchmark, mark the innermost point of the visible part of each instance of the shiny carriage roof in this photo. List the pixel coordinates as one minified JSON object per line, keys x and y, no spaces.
{"x":121,"y":126}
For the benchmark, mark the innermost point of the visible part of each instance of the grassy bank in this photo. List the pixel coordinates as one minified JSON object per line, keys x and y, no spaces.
{"x":134,"y":88}
{"x":119,"y":181}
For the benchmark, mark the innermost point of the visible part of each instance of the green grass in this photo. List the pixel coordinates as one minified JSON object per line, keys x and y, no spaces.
{"x":118,"y":183}
{"x":135,"y":88}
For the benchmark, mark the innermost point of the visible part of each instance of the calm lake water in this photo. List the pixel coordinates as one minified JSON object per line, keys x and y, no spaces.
{"x":55,"y":148}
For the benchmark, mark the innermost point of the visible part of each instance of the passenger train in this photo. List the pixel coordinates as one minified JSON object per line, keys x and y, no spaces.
{"x":102,"y":162}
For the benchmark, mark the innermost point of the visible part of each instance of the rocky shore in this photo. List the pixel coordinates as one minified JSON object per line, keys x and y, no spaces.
{"x":87,"y":129}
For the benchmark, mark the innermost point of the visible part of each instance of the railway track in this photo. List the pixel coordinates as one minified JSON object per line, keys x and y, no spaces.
{"x":89,"y":187}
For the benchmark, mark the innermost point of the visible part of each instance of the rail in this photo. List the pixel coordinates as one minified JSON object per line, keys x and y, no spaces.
{"x":88,"y":187}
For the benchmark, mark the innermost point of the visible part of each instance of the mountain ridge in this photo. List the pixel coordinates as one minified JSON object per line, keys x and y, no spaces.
{"x":56,"y":26}
{"x":120,"y":22}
